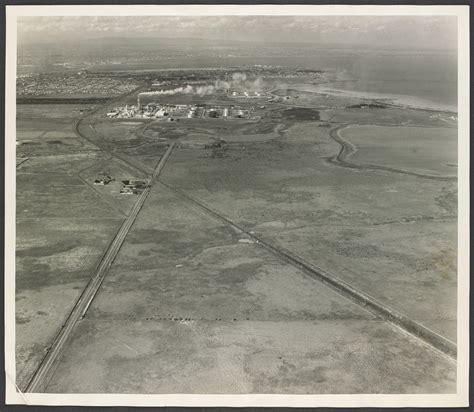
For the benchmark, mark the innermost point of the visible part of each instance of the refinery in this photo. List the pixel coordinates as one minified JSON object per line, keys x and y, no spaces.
{"x":170,"y":112}
{"x":258,"y":227}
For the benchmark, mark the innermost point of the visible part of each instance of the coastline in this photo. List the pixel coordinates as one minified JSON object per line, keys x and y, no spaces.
{"x":349,"y":148}
{"x":401,"y":101}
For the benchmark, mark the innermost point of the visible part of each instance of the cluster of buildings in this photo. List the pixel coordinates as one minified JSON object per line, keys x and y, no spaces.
{"x":228,"y":112}
{"x":123,"y":112}
{"x":65,"y":84}
{"x":103,"y":180}
{"x":129,"y":187}
{"x":246,"y":94}
{"x":172,"y":112}
{"x":133,"y":187}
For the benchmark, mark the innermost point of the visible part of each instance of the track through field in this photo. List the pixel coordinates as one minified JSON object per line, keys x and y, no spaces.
{"x":46,"y":367}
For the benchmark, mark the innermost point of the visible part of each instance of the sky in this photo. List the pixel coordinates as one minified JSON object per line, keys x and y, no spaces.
{"x":422,"y":32}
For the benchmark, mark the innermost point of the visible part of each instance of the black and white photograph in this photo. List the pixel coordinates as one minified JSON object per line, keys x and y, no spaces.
{"x":237,"y":205}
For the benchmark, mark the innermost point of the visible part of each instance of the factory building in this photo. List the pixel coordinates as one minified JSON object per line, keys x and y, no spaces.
{"x":161,"y":113}
{"x":156,"y":110}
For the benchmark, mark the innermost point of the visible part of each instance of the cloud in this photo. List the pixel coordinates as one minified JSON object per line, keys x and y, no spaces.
{"x":335,"y":29}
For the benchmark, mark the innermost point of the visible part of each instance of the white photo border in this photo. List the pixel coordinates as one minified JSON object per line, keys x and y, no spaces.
{"x":459,"y":399}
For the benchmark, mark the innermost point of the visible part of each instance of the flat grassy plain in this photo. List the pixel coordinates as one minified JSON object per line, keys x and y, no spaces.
{"x":299,"y":95}
{"x":64,"y":224}
{"x":431,"y":150}
{"x":72,"y":111}
{"x":388,"y":116}
{"x":31,"y":129}
{"x":390,"y":235}
{"x":192,"y":306}
{"x":126,"y":138}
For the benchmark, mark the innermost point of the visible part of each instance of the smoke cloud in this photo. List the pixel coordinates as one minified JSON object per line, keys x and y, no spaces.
{"x":239,"y":81}
{"x":201,"y":90}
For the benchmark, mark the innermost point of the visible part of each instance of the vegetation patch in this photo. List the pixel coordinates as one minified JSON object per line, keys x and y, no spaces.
{"x":301,"y":113}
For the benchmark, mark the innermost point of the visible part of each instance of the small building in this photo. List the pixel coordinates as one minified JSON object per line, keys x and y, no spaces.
{"x":126,"y":191}
{"x":133,"y":186}
{"x":103,"y":180}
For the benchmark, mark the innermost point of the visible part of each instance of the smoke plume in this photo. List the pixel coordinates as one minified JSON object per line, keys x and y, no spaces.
{"x":239,"y":81}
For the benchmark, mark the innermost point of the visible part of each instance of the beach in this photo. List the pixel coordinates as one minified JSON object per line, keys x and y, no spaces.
{"x":394,"y":99}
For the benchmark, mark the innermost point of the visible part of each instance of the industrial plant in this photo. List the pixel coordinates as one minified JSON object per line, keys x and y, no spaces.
{"x":170,"y":112}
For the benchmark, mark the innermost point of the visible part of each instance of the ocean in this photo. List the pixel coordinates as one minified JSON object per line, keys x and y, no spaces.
{"x":421,"y":78}
{"x":425,"y":77}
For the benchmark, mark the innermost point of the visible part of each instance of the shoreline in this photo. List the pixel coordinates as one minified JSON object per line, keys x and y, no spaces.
{"x":394,"y":100}
{"x":348,"y":149}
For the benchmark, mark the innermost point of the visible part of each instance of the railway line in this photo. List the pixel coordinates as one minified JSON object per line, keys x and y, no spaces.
{"x":96,"y":142}
{"x":47,"y":365}
{"x":409,"y":326}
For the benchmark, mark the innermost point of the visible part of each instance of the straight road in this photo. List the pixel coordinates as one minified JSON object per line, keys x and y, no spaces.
{"x":363,"y":299}
{"x":193,"y":305}
{"x":46,"y":367}
{"x":84,"y":128}
{"x":224,"y":315}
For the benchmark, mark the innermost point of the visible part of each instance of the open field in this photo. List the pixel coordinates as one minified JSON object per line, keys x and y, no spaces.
{"x":430,"y":150}
{"x":118,"y":133}
{"x":53,"y":110}
{"x":62,"y":228}
{"x":28,"y":128}
{"x":126,"y":137}
{"x":64,"y":223}
{"x":298,"y":95}
{"x":55,"y":258}
{"x":288,"y":192}
{"x":389,"y":116}
{"x":209,"y":311}
{"x":301,"y":113}
{"x":192,"y":305}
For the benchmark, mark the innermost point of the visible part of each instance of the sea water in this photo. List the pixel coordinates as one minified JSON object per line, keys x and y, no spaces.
{"x":428,"y":78}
